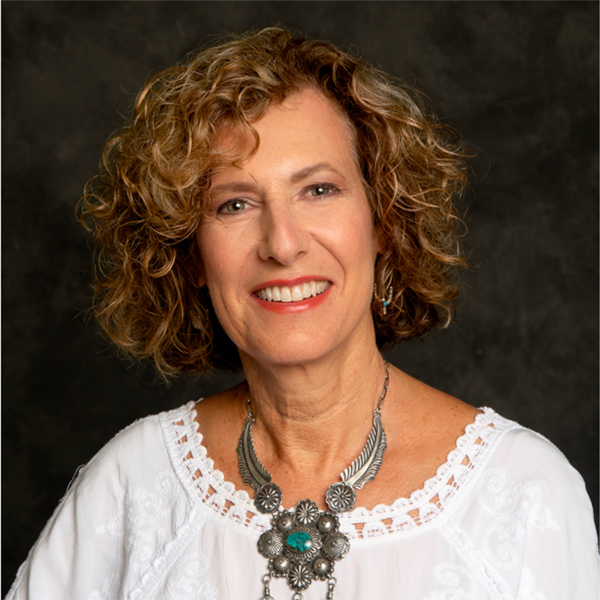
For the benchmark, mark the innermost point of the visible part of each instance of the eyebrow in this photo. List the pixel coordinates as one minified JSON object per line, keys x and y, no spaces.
{"x":233,"y":186}
{"x":304,"y":173}
{"x":246,"y":186}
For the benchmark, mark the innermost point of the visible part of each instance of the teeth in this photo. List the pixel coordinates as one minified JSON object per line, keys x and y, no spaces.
{"x":296,"y":293}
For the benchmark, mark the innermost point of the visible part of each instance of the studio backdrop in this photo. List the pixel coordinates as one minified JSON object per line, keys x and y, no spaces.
{"x":518,"y":80}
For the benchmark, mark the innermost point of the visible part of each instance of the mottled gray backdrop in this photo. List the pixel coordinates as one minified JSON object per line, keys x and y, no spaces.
{"x":518,"y":80}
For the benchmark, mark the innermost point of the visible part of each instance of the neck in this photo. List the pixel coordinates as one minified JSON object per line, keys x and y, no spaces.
{"x":313,"y":419}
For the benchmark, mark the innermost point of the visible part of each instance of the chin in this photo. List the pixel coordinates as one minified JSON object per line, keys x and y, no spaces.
{"x":292,"y":350}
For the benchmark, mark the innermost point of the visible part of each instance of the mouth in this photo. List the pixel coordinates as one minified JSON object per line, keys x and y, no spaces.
{"x":295,"y":293}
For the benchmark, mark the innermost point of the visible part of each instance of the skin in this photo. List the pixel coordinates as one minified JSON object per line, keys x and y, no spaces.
{"x":297,"y":207}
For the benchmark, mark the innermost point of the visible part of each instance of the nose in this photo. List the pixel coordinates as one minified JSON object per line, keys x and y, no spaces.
{"x":284,"y":237}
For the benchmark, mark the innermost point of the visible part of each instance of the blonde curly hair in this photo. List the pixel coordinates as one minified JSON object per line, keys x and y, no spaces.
{"x":148,"y":200}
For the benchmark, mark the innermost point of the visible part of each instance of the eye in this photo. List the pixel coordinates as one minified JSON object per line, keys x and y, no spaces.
{"x":321,"y":190}
{"x":232,"y":206}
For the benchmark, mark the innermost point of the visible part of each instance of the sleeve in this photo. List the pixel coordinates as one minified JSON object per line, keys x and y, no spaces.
{"x":541,"y":532}
{"x":566,"y":560}
{"x":114,"y":505}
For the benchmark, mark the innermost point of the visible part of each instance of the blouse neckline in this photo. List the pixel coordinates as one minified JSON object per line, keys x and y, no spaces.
{"x":235,"y":508}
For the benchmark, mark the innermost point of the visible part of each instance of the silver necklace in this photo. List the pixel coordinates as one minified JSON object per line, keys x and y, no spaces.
{"x":304,"y":544}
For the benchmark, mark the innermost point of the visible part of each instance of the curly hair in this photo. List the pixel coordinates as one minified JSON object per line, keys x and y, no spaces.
{"x":148,"y":200}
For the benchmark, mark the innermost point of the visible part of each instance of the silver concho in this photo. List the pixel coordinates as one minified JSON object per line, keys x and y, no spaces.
{"x":328,"y":523}
{"x":270,"y":543}
{"x":305,"y":553}
{"x":280,"y":565}
{"x":335,"y":546}
{"x":306,"y":512}
{"x":322,"y":568}
{"x":268,"y":498}
{"x":340,"y":497}
{"x":299,"y":577}
{"x":285,"y":521}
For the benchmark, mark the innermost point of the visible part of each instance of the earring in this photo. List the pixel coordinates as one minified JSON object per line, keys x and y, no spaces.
{"x":385,"y":300}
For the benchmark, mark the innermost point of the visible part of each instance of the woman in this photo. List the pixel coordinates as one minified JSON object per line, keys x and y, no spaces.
{"x":278,"y":205}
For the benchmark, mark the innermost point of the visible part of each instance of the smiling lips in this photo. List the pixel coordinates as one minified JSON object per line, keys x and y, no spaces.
{"x":284,"y":299}
{"x":295,"y":293}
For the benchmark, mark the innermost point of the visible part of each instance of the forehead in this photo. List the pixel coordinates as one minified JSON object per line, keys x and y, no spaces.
{"x":308,"y":113}
{"x":305,"y":126}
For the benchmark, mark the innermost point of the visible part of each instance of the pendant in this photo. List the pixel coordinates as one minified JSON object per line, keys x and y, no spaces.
{"x":303,"y":545}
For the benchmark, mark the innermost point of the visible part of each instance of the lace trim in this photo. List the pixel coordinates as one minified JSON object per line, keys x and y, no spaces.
{"x":235,"y":508}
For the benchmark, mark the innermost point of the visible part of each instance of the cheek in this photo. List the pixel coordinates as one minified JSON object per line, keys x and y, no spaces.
{"x":362,"y":237}
{"x":352,"y":240}
{"x":213,"y":259}
{"x":224,"y":265}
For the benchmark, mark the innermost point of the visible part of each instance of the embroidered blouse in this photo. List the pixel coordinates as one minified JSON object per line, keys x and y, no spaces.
{"x":505,"y":517}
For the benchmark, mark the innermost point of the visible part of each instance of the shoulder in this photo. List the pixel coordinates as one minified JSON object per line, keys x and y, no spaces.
{"x":138,"y":452}
{"x":130,"y":479}
{"x":522,"y":464}
{"x":118,"y":515}
{"x":528,"y":452}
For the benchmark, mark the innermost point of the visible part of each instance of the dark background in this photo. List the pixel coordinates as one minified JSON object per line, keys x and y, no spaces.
{"x":518,"y":80}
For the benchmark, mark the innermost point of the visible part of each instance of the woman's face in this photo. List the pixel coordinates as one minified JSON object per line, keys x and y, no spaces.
{"x":287,"y":243}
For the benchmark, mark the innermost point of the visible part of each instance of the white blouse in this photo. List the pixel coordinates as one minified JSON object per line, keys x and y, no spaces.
{"x":506,"y":517}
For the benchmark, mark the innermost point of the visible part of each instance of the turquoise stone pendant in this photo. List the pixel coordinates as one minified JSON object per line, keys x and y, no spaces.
{"x":303,"y":545}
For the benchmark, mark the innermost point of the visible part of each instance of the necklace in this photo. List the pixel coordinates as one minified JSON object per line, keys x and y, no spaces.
{"x":303,"y":544}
